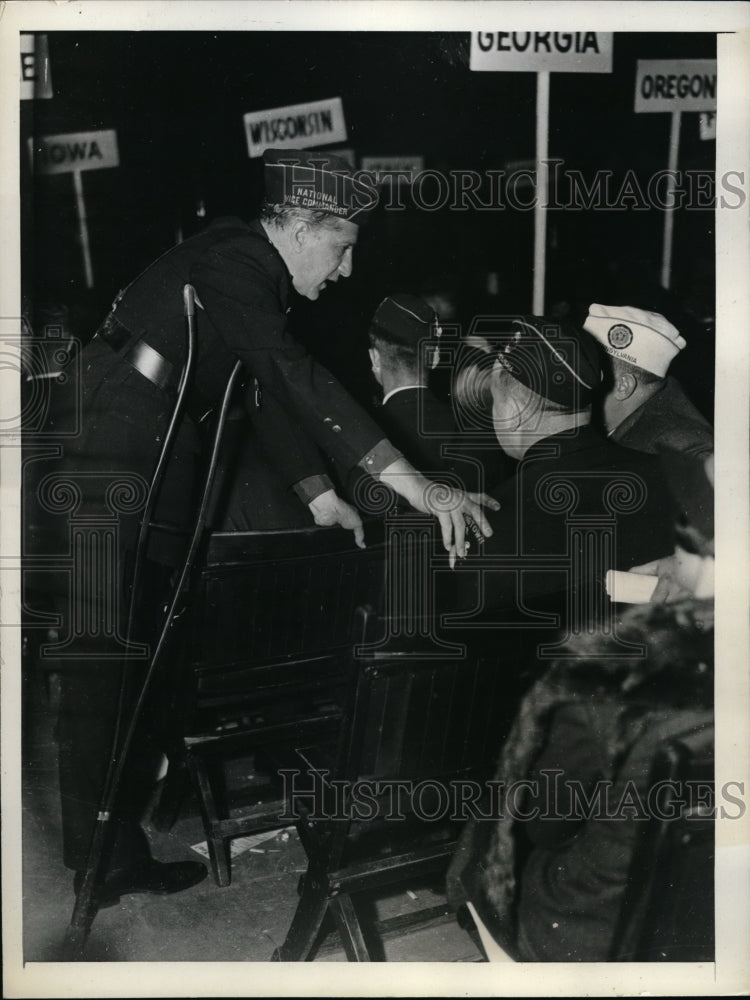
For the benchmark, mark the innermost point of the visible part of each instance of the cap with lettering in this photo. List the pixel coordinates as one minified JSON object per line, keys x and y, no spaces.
{"x":644,"y":339}
{"x":558,"y":361}
{"x":405,"y":319}
{"x":319,"y":181}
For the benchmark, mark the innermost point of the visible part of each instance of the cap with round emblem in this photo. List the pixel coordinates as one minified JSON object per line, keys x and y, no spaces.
{"x":644,"y":339}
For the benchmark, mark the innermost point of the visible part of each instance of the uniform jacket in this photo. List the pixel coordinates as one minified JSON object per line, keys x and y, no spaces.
{"x":243,"y":289}
{"x":577,"y":506}
{"x":667,"y":421}
{"x":420,"y":425}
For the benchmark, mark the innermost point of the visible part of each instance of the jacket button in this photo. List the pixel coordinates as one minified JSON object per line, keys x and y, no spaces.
{"x":336,"y":429}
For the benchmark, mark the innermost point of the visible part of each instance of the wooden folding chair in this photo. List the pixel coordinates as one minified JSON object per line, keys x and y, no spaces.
{"x":431,"y":723}
{"x":273,"y":624}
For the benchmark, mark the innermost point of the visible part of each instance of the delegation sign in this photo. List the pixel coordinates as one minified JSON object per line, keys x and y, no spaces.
{"x":402,"y":165}
{"x":74,"y":151}
{"x":36,"y":77}
{"x":675,"y":85}
{"x":298,"y":126}
{"x":541,"y":51}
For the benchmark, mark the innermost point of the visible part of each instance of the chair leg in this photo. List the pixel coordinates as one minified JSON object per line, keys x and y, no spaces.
{"x":306,"y":923}
{"x":217,"y":845}
{"x":349,"y":929}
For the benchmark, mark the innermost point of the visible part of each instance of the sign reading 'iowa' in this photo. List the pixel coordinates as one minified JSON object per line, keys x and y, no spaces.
{"x":60,"y":154}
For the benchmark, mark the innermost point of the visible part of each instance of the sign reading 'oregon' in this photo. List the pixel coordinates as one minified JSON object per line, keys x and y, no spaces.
{"x":539,"y":51}
{"x":299,"y":126}
{"x":675,"y":85}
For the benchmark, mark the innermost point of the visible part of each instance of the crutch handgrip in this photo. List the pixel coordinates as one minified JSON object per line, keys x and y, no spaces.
{"x":188,"y":298}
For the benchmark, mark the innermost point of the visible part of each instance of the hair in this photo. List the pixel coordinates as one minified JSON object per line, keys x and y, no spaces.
{"x":281,"y":216}
{"x":545,"y":405}
{"x":394,"y":351}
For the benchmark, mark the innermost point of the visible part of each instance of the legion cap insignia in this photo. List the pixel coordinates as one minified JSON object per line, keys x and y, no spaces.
{"x":620,"y":336}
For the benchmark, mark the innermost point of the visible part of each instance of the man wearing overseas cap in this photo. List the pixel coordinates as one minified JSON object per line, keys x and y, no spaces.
{"x":243,"y":274}
{"x":404,"y":338}
{"x":644,"y":407}
{"x":578,"y":504}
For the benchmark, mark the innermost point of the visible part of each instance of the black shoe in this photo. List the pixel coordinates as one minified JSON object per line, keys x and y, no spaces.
{"x":159,"y":877}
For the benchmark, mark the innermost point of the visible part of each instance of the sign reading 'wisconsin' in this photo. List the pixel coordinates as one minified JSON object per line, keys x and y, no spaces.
{"x":298,"y":126}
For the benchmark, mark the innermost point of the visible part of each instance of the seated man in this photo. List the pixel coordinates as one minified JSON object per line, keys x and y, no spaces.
{"x":546,"y":867}
{"x":404,"y":348}
{"x":546,"y":874}
{"x":577,"y":505}
{"x":644,"y":408}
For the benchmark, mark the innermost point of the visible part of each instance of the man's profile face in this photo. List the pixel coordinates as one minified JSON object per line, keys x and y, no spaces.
{"x":324,"y":254}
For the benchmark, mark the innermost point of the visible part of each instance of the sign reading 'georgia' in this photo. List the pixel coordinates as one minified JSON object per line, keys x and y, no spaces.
{"x":675,"y":85}
{"x":539,"y":51}
{"x":73,"y":151}
{"x":299,"y":126}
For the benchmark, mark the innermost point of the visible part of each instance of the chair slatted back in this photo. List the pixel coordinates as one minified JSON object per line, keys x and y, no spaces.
{"x":274,"y":626}
{"x":427,"y":719}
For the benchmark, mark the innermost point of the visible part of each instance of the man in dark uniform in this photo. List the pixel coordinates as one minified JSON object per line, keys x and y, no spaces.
{"x":644,"y":407}
{"x":404,"y":347}
{"x":578,"y":504}
{"x":242,"y":275}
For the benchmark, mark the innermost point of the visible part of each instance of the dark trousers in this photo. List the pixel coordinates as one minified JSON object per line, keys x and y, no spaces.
{"x":87,"y":717}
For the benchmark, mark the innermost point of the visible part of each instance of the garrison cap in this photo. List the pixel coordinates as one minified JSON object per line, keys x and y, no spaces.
{"x":644,"y":339}
{"x":405,"y":319}
{"x":319,"y":181}
{"x":558,"y":361}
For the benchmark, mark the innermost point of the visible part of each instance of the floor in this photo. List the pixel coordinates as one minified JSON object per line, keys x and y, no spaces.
{"x":240,"y":923}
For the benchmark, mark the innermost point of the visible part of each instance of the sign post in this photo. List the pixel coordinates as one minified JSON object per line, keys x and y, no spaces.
{"x":674,"y":85}
{"x":542,"y":52}
{"x":542,"y":191}
{"x":73,"y":153}
{"x":83,"y":228}
{"x":674,"y":149}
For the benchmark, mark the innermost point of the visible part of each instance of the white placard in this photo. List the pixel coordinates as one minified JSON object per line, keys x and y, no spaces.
{"x":541,"y":51}
{"x":297,"y":126}
{"x":630,"y":588}
{"x":74,"y":151}
{"x":675,"y":85}
{"x":36,"y":75}
{"x":401,"y":165}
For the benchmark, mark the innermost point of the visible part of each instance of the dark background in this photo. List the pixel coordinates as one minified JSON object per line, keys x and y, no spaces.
{"x":176,"y":101}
